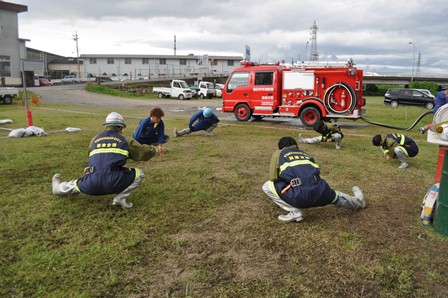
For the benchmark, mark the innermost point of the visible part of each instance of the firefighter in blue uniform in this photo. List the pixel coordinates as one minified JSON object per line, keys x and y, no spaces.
{"x":202,"y":120}
{"x":151,"y":130}
{"x":106,"y":173}
{"x":295,"y":183}
{"x":330,"y":132}
{"x":398,"y":146}
{"x":440,"y":99}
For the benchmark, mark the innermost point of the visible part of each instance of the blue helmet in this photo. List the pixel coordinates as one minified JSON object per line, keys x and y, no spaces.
{"x":207,"y":112}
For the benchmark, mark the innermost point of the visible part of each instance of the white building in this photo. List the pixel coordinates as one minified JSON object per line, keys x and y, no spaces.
{"x":12,"y":48}
{"x":158,"y":66}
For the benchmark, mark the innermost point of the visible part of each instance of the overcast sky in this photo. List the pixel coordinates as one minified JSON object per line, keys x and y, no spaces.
{"x":375,"y":33}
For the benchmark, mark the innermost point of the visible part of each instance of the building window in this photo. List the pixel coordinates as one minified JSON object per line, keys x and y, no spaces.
{"x":214,"y":62}
{"x":230,"y":62}
{"x":127,"y":61}
{"x":183,"y":61}
{"x":110,"y":60}
{"x":162,"y":61}
{"x":5,"y":66}
{"x":145,"y":61}
{"x":92,"y":60}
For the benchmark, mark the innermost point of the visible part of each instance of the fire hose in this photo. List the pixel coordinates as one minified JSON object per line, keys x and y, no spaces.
{"x":400,"y":128}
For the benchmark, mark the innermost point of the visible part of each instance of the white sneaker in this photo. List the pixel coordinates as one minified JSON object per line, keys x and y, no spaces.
{"x":403,"y":165}
{"x":291,"y":216}
{"x":338,"y":147}
{"x":175,"y":133}
{"x":359,"y":195}
{"x":122,"y":203}
{"x":55,"y":184}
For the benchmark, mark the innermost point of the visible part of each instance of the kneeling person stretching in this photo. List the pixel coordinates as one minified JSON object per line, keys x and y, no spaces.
{"x":295,"y":183}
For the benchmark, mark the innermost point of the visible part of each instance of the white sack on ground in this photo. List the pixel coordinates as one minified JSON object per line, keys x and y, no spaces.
{"x":5,"y":121}
{"x":27,"y":132}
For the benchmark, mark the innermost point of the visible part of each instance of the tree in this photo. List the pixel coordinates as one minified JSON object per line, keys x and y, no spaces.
{"x":431,"y":86}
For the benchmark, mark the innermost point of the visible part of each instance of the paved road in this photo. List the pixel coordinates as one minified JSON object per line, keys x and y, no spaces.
{"x":75,"y":94}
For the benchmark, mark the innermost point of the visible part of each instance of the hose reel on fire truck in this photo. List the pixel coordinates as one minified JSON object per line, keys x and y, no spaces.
{"x":340,"y":98}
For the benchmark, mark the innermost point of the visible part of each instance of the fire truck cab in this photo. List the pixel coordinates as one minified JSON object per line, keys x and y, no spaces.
{"x":310,"y":93}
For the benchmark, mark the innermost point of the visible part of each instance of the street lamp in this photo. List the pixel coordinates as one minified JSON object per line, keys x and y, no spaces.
{"x":306,"y":48}
{"x":413,"y":62}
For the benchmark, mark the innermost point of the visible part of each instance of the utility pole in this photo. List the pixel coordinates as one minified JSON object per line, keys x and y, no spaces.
{"x":75,"y":38}
{"x":174,"y":45}
{"x":314,"y":55}
{"x":417,"y":72}
{"x":413,"y":62}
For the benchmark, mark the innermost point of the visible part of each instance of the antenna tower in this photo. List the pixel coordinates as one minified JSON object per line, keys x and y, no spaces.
{"x":314,"y":55}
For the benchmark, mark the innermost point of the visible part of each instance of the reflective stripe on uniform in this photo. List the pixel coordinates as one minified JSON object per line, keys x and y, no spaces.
{"x":110,"y":150}
{"x":137,"y":173}
{"x":297,"y":163}
{"x":401,"y":137}
{"x":403,"y":150}
{"x":335,"y":200}
{"x":76,"y":185}
{"x":272,"y":189}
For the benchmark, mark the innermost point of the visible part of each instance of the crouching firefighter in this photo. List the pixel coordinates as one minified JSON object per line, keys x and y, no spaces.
{"x":106,"y":173}
{"x":398,"y":146}
{"x":330,"y":132}
{"x":202,"y":120}
{"x":295,"y":184}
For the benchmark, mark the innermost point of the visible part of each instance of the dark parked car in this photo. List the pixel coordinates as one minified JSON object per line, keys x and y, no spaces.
{"x":404,"y":96}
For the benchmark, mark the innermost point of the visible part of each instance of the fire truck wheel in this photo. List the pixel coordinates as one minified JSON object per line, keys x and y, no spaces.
{"x":242,"y":112}
{"x":309,"y":116}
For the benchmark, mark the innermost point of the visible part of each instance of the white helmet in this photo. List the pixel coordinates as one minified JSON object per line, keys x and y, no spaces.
{"x":114,"y":119}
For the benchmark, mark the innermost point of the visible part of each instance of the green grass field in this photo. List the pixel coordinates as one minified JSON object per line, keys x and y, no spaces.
{"x":202,"y":227}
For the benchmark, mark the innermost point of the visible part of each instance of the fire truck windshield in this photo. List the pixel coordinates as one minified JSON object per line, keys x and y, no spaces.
{"x":238,"y":79}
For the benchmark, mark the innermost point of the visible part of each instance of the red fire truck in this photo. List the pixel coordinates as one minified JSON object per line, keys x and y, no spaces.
{"x":311,"y":93}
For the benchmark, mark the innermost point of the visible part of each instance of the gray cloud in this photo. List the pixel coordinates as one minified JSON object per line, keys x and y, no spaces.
{"x":376,"y":33}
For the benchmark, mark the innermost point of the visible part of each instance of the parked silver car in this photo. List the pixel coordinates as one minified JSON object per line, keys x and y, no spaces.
{"x":69,"y":79}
